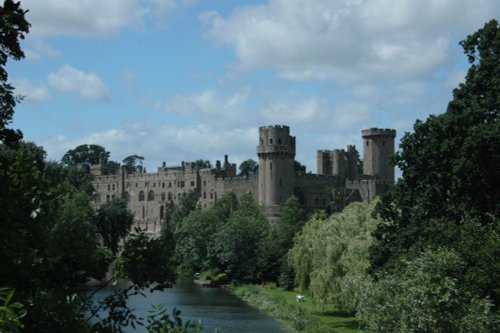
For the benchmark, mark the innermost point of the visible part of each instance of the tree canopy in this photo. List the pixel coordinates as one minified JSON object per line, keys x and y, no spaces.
{"x":248,"y":166}
{"x":13,"y":27}
{"x":85,"y":154}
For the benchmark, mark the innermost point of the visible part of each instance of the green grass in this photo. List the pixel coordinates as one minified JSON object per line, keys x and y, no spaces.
{"x":296,"y":316}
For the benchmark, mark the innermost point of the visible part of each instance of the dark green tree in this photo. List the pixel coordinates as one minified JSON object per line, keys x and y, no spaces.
{"x":113,"y":222}
{"x":448,"y":196}
{"x":133,"y":162}
{"x":85,"y":154}
{"x":299,"y":168}
{"x":239,"y":242}
{"x":248,"y":166}
{"x":13,"y":27}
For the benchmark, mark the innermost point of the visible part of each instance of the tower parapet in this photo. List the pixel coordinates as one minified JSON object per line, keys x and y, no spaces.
{"x":276,"y":152}
{"x":378,"y":150}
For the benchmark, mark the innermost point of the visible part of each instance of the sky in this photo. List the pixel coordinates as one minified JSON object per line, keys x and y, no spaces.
{"x":181,"y":80}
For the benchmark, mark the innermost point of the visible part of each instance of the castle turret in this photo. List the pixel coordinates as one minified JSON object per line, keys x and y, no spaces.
{"x":378,"y":149}
{"x":276,"y":153}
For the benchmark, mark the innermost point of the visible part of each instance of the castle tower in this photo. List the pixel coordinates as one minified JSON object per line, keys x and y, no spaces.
{"x":276,"y":153}
{"x":323,"y":162}
{"x":378,"y":148}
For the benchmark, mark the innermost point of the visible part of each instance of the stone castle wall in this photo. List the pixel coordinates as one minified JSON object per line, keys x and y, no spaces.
{"x":150,"y":195}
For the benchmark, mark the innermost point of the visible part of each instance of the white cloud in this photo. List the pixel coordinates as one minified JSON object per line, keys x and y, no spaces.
{"x":40,"y":49}
{"x":31,"y":92}
{"x":178,"y":143}
{"x":89,"y":86}
{"x":93,"y":17}
{"x":375,"y":39}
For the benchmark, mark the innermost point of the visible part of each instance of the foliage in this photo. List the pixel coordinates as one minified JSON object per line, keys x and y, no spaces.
{"x":159,"y":321}
{"x":146,"y":260}
{"x":425,"y":294}
{"x":248,"y":166}
{"x":448,"y":196}
{"x":239,"y":241}
{"x":13,"y":27}
{"x":10,"y":312}
{"x":133,"y":163}
{"x":85,"y":154}
{"x":201,"y":163}
{"x":195,"y":238}
{"x":330,"y":256}
{"x":299,"y":168}
{"x":113,"y":222}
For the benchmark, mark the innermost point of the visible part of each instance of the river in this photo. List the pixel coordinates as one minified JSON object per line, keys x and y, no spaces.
{"x":216,"y":308}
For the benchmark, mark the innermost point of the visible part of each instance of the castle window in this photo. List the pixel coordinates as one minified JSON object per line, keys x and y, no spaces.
{"x":136,"y":184}
{"x":204,"y":183}
{"x":154,"y":184}
{"x":163,"y":185}
{"x":113,"y":197}
{"x":204,"y":195}
{"x":169,"y":196}
{"x":270,"y":141}
{"x":162,"y":212}
{"x":367,"y":143}
{"x":126,"y":196}
{"x":141,"y":196}
{"x":113,"y":187}
{"x":211,"y":195}
{"x":107,"y":198}
{"x":151,"y":195}
{"x":271,"y":165}
{"x":169,"y":184}
{"x":97,"y":198}
{"x":192,"y":183}
{"x":163,"y":196}
{"x":146,"y":184}
{"x":143,"y":213}
{"x":109,"y":187}
{"x":279,"y":141}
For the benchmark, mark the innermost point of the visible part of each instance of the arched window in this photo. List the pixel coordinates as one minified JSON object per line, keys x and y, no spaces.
{"x":162,"y":212}
{"x":163,"y":196}
{"x":141,"y":196}
{"x":151,"y":195}
{"x":107,"y":197}
{"x":126,"y":196}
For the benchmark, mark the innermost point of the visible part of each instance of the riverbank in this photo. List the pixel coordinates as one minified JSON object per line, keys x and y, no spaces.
{"x":296,"y":316}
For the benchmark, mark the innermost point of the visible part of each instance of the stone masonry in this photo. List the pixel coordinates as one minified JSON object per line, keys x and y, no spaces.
{"x":150,"y":195}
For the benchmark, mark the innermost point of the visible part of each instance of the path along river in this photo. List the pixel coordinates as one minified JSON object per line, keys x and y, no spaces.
{"x":216,"y":308}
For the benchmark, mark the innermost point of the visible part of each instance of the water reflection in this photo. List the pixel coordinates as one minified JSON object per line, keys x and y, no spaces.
{"x":216,"y":308}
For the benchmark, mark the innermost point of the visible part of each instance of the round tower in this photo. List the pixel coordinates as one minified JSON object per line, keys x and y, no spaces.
{"x":378,"y":149}
{"x":276,"y":152}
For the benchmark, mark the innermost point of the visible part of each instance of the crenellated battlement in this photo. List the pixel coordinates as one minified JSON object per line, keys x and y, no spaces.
{"x":378,"y":132}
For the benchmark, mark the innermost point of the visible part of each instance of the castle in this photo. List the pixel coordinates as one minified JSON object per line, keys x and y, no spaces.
{"x":150,"y":195}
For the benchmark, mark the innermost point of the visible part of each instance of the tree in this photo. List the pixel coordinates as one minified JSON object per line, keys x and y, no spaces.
{"x":113,"y":222}
{"x":238,"y":243}
{"x":85,"y":154}
{"x":330,"y":255}
{"x":425,"y":294}
{"x":448,"y":196}
{"x":133,"y":163}
{"x":298,"y":167}
{"x":248,"y":166}
{"x":13,"y":27}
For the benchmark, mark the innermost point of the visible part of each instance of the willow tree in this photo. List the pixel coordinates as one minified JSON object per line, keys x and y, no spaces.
{"x":330,"y":255}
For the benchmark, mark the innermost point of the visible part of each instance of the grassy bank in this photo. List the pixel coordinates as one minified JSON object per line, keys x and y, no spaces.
{"x":297,"y":316}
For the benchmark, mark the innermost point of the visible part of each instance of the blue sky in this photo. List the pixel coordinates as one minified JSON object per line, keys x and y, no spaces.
{"x":179,"y":80}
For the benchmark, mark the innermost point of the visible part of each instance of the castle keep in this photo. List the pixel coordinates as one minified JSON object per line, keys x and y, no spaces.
{"x":150,"y":195}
